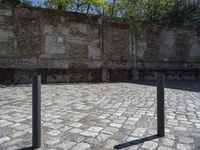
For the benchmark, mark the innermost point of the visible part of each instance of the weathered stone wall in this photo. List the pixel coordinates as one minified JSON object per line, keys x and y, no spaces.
{"x":174,"y":51}
{"x":67,"y":47}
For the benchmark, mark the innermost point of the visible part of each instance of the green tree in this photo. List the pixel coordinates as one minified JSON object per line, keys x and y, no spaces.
{"x":184,"y":13}
{"x":87,"y":6}
{"x":58,"y":4}
{"x":157,"y":10}
{"x":76,"y":5}
{"x":112,"y":8}
{"x":151,"y":10}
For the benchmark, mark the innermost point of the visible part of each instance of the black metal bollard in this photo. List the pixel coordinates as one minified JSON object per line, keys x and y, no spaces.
{"x":160,"y":105}
{"x":36,"y":112}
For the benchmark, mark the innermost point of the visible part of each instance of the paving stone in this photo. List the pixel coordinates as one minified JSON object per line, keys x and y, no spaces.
{"x":197,"y":125}
{"x":180,"y":128}
{"x":81,"y":146}
{"x":13,"y":142}
{"x":66,"y":145}
{"x":77,"y":125}
{"x":110,"y":143}
{"x":3,"y":121}
{"x":133,"y":119}
{"x":17,"y":134}
{"x":107,"y":132}
{"x":165,"y":148}
{"x":13,"y":148}
{"x":150,"y":145}
{"x":57,"y":120}
{"x":131,"y":139}
{"x":101,"y":115}
{"x":56,"y":126}
{"x":4,"y":139}
{"x":116,"y":125}
{"x":76,"y":130}
{"x":103,"y":137}
{"x":139,"y":132}
{"x":54,"y":116}
{"x":168,"y":142}
{"x":6,"y":124}
{"x":66,"y":128}
{"x":22,"y":127}
{"x":186,"y":140}
{"x":111,"y":130}
{"x":89,"y":133}
{"x":183,"y":146}
{"x":93,"y":141}
{"x":52,"y":141}
{"x":53,"y":133}
{"x":28,"y":130}
{"x":95,"y":129}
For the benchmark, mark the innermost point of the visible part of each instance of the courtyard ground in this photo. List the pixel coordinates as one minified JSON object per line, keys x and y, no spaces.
{"x":99,"y":116}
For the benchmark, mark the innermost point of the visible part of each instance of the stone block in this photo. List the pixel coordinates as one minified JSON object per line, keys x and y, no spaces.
{"x":57,"y":78}
{"x":94,"y":64}
{"x":77,"y":28}
{"x":141,"y":47}
{"x":94,"y":52}
{"x":54,"y":45}
{"x":5,"y":12}
{"x":48,"y":29}
{"x":6,"y":35}
{"x":1,"y":19}
{"x":105,"y":75}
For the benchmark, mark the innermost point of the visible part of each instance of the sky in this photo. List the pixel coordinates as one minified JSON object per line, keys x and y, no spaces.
{"x":37,"y":1}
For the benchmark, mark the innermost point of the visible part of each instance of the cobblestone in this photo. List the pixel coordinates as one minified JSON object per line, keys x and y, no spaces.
{"x":150,"y":145}
{"x":81,"y":146}
{"x":186,"y":140}
{"x":66,"y":145}
{"x":99,"y":116}
{"x":4,"y":139}
{"x":168,"y":142}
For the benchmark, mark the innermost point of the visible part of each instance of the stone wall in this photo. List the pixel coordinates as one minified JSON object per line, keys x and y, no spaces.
{"x":70,"y":47}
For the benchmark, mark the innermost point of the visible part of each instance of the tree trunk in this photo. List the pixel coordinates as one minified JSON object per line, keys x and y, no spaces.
{"x":78,"y":5}
{"x":113,"y":8}
{"x":88,"y":8}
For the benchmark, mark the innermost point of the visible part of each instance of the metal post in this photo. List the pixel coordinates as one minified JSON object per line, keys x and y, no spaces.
{"x":36,"y":112}
{"x":160,"y":105}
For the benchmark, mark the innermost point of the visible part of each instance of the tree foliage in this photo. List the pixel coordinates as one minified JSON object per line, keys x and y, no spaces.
{"x":58,"y":4}
{"x":84,"y":6}
{"x":180,"y":12}
{"x":187,"y":14}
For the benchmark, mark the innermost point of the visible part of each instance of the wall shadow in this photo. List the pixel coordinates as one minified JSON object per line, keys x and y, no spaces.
{"x":136,"y":142}
{"x":184,"y":85}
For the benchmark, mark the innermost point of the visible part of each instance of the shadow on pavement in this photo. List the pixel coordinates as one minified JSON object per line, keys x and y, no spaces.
{"x":26,"y":148}
{"x":136,"y":142}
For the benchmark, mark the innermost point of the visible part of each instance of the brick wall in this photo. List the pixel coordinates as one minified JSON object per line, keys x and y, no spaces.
{"x":70,"y":47}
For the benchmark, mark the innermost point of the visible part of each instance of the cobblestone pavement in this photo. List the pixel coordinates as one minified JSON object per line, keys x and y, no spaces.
{"x":100,"y":116}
